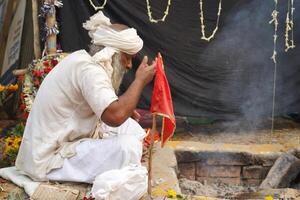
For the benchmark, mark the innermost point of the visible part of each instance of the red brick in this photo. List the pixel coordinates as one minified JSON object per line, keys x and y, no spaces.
{"x":187,"y":170}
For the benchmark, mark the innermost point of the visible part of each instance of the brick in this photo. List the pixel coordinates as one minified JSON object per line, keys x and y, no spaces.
{"x":209,"y":180}
{"x":217,"y":171}
{"x":213,"y":158}
{"x":226,"y":158}
{"x":187,"y":170}
{"x":255,"y":172}
{"x":252,"y":181}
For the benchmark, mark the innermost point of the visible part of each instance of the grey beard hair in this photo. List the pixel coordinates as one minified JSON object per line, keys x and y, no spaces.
{"x":118,"y":69}
{"x":118,"y":72}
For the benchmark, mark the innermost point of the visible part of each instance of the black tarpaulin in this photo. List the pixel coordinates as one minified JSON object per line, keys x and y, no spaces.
{"x":227,"y":78}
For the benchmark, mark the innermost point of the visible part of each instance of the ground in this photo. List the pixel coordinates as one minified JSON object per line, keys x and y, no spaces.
{"x":220,"y":136}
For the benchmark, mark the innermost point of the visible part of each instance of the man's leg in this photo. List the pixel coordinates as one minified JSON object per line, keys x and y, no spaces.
{"x":93,"y":157}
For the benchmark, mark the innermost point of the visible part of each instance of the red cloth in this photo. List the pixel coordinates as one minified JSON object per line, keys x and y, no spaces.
{"x":162,"y":102}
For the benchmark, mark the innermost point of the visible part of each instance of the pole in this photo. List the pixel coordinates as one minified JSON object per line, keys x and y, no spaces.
{"x":152,"y":132}
{"x":36,"y":31}
{"x":51,"y":39}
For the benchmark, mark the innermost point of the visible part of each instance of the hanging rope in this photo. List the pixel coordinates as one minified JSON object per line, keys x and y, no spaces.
{"x":275,"y":21}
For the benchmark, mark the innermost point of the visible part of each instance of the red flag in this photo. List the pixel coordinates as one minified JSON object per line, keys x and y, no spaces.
{"x":162,"y":102}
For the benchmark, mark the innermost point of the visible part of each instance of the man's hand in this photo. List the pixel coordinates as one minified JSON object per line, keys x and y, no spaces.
{"x":145,"y":72}
{"x":123,"y":108}
{"x":136,"y":116}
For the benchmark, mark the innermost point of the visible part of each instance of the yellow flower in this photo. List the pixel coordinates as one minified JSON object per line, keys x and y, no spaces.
{"x":17,"y":142}
{"x":2,"y":88}
{"x":269,"y":197}
{"x":12,"y":88}
{"x":171,"y":194}
{"x":8,"y":145}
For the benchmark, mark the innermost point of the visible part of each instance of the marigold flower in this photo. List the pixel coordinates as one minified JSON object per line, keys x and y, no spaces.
{"x":12,"y":87}
{"x":2,"y":88}
{"x":8,"y":145}
{"x":17,"y":142}
{"x":171,"y":194}
{"x":269,"y":198}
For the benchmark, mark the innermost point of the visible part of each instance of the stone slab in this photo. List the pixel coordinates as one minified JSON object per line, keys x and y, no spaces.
{"x":164,"y":171}
{"x":285,"y":193}
{"x":283,"y":172}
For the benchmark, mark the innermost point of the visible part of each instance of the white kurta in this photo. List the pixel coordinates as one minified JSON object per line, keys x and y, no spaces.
{"x":65,"y":111}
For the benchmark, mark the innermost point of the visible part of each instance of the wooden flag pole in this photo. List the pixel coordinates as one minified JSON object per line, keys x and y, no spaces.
{"x":152,"y":132}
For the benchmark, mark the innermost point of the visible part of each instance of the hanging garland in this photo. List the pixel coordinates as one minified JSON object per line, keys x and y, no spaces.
{"x":98,"y":7}
{"x":275,"y":21}
{"x":33,"y":78}
{"x":166,"y":12}
{"x":289,"y":43}
{"x":204,"y":37}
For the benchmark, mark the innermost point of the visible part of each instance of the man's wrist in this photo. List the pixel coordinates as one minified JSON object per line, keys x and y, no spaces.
{"x":140,"y":82}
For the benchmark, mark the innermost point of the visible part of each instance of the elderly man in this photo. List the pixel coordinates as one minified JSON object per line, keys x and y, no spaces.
{"x":78,"y":127}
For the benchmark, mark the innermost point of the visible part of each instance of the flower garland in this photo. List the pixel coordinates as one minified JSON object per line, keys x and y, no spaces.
{"x":10,"y":87}
{"x":98,"y":7}
{"x":289,"y":44}
{"x":5,"y":90}
{"x":33,"y":78}
{"x":166,"y":12}
{"x":275,"y":21}
{"x":204,"y":37}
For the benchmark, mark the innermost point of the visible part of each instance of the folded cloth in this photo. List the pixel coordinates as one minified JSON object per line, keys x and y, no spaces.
{"x":128,"y":183}
{"x":21,"y":180}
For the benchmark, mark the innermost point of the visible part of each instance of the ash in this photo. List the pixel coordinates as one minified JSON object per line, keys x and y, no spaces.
{"x":218,"y":189}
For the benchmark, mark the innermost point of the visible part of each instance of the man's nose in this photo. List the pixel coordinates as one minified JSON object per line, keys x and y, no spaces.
{"x":129,"y":64}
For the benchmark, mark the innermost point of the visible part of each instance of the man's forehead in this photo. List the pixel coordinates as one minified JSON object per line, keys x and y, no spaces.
{"x":118,"y":27}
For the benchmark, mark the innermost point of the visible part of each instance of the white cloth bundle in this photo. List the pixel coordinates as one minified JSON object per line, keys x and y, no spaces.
{"x":129,"y":182}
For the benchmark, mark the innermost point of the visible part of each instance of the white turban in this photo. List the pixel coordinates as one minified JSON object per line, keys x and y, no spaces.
{"x":126,"y":41}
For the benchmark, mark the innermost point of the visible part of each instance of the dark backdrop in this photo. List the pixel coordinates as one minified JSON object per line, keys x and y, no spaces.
{"x":230,"y":77}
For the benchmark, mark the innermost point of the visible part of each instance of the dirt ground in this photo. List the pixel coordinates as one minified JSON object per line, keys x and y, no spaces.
{"x":286,"y":131}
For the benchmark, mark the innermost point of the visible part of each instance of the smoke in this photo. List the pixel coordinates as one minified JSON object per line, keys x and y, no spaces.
{"x":245,"y":44}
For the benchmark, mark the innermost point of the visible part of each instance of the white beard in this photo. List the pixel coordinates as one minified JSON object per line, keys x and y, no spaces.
{"x":118,"y":72}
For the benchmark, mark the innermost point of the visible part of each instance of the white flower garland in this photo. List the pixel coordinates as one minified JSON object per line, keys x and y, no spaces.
{"x":98,"y":7}
{"x":275,"y":21}
{"x":166,"y":12}
{"x":289,"y":44}
{"x":204,"y":37}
